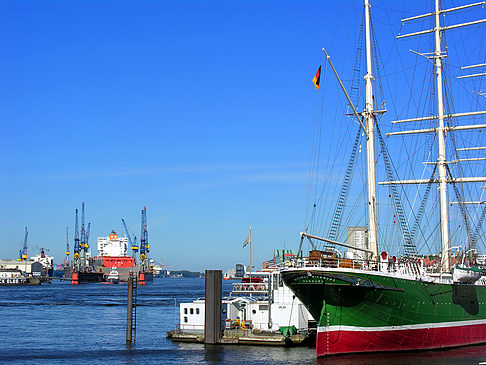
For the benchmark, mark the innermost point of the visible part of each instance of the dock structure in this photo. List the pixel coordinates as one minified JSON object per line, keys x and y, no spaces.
{"x":258,"y":311}
{"x":246,"y":337}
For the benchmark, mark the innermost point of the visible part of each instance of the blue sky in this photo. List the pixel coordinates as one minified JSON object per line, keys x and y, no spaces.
{"x":202,"y":111}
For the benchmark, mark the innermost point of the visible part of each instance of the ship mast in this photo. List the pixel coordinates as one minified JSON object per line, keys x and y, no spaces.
{"x":441,"y":129}
{"x":368,"y":128}
{"x":370,"y":142}
{"x":441,"y":160}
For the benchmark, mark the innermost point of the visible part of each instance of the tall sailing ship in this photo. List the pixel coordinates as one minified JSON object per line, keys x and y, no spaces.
{"x":386,"y":294}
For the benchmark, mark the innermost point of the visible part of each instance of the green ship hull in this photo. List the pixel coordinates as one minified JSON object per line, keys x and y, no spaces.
{"x":367,"y":311}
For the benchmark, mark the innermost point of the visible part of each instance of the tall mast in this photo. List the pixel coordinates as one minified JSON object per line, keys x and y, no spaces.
{"x":370,"y":142}
{"x":441,"y":129}
{"x":441,"y":160}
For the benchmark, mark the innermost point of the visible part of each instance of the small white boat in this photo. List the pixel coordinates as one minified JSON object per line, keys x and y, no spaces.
{"x":465,"y":275}
{"x":113,"y":276}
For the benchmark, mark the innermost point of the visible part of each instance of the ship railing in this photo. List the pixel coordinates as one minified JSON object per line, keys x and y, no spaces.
{"x":185,"y":327}
{"x":334,"y":262}
{"x":409,"y":267}
{"x":250,"y":288}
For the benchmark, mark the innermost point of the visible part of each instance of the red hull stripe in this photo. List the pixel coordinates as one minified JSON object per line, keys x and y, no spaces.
{"x":346,"y":341}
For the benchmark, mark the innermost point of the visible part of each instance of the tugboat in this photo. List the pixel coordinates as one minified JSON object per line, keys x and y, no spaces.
{"x":113,"y":277}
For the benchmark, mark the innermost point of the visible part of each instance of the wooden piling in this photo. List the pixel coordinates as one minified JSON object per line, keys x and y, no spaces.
{"x":212,"y":318}
{"x":130,"y":310}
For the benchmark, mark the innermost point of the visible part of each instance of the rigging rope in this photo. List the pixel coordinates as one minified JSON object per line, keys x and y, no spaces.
{"x":409,"y":247}
{"x":461,"y":207}
{"x":338,"y":211}
{"x":421,"y":209}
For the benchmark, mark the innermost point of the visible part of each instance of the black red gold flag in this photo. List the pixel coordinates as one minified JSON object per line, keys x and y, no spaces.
{"x":317,"y":78}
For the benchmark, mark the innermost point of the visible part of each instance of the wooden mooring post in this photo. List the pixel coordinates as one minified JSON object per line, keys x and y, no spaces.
{"x":131,"y":309}
{"x":212,"y":318}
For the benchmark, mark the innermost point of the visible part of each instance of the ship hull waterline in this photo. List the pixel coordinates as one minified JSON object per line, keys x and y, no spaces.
{"x":362,"y":311}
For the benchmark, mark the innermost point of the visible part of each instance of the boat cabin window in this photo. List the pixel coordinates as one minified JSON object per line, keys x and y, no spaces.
{"x":192,"y":310}
{"x":197,"y":310}
{"x":185,"y":310}
{"x":185,"y":319}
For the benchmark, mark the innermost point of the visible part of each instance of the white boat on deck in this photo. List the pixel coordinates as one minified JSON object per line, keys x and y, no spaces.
{"x":466,"y":275}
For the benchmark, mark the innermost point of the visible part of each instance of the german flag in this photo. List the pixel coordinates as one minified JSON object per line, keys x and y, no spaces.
{"x":317,"y":78}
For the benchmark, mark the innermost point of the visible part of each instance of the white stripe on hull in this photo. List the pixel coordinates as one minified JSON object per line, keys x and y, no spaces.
{"x":399,"y":328}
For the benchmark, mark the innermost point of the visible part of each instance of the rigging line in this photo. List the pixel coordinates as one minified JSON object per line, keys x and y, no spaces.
{"x":338,"y":210}
{"x":354,"y":210}
{"x":309,"y":184}
{"x":480,"y":220}
{"x":407,"y":81}
{"x":345,"y":186}
{"x":426,"y":227}
{"x":317,"y":199}
{"x":356,"y":80}
{"x":421,"y":209}
{"x":460,"y":193}
{"x":318,"y":220}
{"x":377,"y":65}
{"x":424,"y":198}
{"x":319,"y":132}
{"x":461,"y":208}
{"x":319,"y":210}
{"x":378,"y":56}
{"x":429,"y":226}
{"x":409,"y":247}
{"x":479,"y":226}
{"x":354,"y":95}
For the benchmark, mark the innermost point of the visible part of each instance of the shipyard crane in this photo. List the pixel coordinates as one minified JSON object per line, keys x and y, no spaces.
{"x":144,"y":245}
{"x":66,"y":265}
{"x":88,"y":231}
{"x":133,"y":243}
{"x":76,"y":242}
{"x":83,"y":244}
{"x":23,"y":251}
{"x":67,"y":244}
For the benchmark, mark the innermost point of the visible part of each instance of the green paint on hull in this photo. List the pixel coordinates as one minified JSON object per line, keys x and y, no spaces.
{"x":351,"y":298}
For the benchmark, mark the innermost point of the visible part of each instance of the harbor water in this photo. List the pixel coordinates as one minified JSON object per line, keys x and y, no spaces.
{"x":60,"y":323}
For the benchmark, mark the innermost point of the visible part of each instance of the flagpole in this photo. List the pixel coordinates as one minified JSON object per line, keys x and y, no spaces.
{"x":250,"y":254}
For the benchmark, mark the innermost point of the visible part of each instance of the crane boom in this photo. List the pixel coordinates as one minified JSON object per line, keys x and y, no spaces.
{"x":23,"y":251}
{"x":88,"y":231}
{"x":76,"y":237}
{"x":83,"y":240}
{"x":144,"y":245}
{"x":133,"y":242}
{"x":67,"y":243}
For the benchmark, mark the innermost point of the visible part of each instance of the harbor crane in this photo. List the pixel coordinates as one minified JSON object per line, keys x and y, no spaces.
{"x":23,"y":251}
{"x":67,"y":266}
{"x":88,"y":231}
{"x":67,"y":244}
{"x":83,"y":244}
{"x":76,"y":242}
{"x":144,"y":245}
{"x":133,"y":243}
